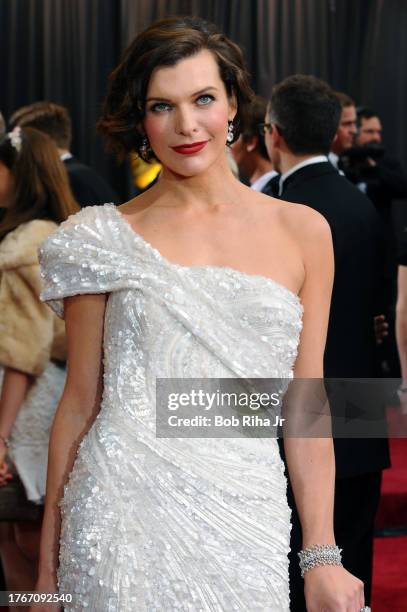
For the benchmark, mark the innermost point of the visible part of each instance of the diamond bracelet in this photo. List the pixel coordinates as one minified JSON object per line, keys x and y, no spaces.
{"x":314,"y":556}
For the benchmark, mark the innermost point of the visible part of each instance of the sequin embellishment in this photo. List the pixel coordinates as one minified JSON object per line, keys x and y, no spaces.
{"x":152,"y":524}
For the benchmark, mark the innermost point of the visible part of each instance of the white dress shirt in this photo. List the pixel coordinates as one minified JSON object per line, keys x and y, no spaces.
{"x":263,"y":180}
{"x":316,"y":159}
{"x":334,"y":159}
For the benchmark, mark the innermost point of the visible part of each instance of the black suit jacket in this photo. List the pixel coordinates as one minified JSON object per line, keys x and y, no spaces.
{"x":350,"y":346}
{"x":385,"y":183}
{"x":87,"y":186}
{"x":271,"y":188}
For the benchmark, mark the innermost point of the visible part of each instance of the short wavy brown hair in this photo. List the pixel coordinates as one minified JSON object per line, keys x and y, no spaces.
{"x":165,"y":43}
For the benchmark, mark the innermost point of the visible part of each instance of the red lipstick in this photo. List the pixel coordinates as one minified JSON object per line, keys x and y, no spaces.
{"x":189,"y":149}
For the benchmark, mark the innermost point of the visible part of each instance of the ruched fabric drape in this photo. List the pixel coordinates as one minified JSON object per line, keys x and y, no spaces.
{"x":64,"y":49}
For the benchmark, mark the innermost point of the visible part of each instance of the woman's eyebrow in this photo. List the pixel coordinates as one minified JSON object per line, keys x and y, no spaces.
{"x":196,"y":93}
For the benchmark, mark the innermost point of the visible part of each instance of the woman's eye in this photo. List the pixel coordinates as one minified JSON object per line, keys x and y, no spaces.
{"x":159,"y":107}
{"x":204,"y":100}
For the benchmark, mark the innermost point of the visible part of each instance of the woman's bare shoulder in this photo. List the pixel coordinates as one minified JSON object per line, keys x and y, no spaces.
{"x":304,"y":222}
{"x":300,"y":220}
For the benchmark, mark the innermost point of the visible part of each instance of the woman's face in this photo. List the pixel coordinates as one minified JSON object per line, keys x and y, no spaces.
{"x":187,"y":104}
{"x":6,"y":186}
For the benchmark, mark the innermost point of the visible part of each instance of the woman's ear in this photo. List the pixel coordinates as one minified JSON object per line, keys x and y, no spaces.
{"x":232,"y":107}
{"x":252,"y":144}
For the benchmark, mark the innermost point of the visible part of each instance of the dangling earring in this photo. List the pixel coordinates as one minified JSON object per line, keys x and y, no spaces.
{"x":230,"y":136}
{"x":144,"y":147}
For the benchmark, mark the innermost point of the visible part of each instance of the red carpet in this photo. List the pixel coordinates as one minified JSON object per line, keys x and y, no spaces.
{"x":390,"y":553}
{"x":393,"y":504}
{"x":390,"y":575}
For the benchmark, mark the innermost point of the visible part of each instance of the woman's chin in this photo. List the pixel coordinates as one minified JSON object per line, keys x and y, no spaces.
{"x":193,"y":167}
{"x":188,"y":170}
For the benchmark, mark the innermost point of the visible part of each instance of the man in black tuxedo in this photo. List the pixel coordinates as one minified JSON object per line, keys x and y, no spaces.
{"x":302,"y":121}
{"x":346,"y":131}
{"x":88,"y":187}
{"x":383,"y":180}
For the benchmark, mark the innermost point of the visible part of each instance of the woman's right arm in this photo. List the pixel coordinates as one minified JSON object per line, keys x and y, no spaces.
{"x":401,"y":329}
{"x":77,"y":409}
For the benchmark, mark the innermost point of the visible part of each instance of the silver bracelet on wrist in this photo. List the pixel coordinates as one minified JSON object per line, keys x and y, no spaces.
{"x":315,"y":556}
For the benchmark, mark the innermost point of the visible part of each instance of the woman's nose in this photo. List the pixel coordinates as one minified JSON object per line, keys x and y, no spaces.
{"x":185,"y":121}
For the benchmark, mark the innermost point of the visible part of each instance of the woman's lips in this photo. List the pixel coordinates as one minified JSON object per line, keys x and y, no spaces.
{"x":190,"y":149}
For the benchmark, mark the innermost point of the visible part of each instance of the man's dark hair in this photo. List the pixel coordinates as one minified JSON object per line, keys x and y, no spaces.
{"x":256,"y":115}
{"x":47,"y":117}
{"x":363,"y":112}
{"x":344,"y":99}
{"x":306,"y":112}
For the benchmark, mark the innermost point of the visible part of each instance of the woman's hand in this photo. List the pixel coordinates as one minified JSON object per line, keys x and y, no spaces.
{"x":403,"y":400}
{"x":381,"y":328}
{"x":46,"y":583}
{"x":402,"y":395}
{"x":5,"y":474}
{"x":46,"y":606}
{"x":330,"y":588}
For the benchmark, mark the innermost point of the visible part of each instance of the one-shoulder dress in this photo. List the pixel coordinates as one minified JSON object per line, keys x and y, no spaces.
{"x":162,"y":524}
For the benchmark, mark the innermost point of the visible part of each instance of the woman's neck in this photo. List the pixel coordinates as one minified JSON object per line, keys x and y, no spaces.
{"x":217,"y":184}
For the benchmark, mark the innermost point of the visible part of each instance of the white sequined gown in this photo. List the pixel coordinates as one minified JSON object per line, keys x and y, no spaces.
{"x":152,"y":524}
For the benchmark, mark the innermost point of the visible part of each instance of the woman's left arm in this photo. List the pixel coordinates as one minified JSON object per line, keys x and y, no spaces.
{"x":26,"y":335}
{"x":401,"y":330}
{"x":14,"y":389}
{"x":311,"y":461}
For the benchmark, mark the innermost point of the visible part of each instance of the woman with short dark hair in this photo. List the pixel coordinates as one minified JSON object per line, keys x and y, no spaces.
{"x":150,"y":521}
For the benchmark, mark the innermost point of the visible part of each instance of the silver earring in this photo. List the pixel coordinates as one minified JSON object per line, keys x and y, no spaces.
{"x":144,"y":146}
{"x":230,"y":136}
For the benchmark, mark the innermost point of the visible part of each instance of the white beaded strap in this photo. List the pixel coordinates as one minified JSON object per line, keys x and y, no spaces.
{"x":315,"y":556}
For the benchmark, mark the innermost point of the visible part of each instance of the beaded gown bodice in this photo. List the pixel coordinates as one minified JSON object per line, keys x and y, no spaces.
{"x":171,"y":524}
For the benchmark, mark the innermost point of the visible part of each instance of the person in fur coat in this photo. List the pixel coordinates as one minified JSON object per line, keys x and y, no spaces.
{"x":34,"y":198}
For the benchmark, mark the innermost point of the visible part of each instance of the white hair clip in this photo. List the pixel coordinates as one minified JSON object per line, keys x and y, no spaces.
{"x":15,"y":138}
